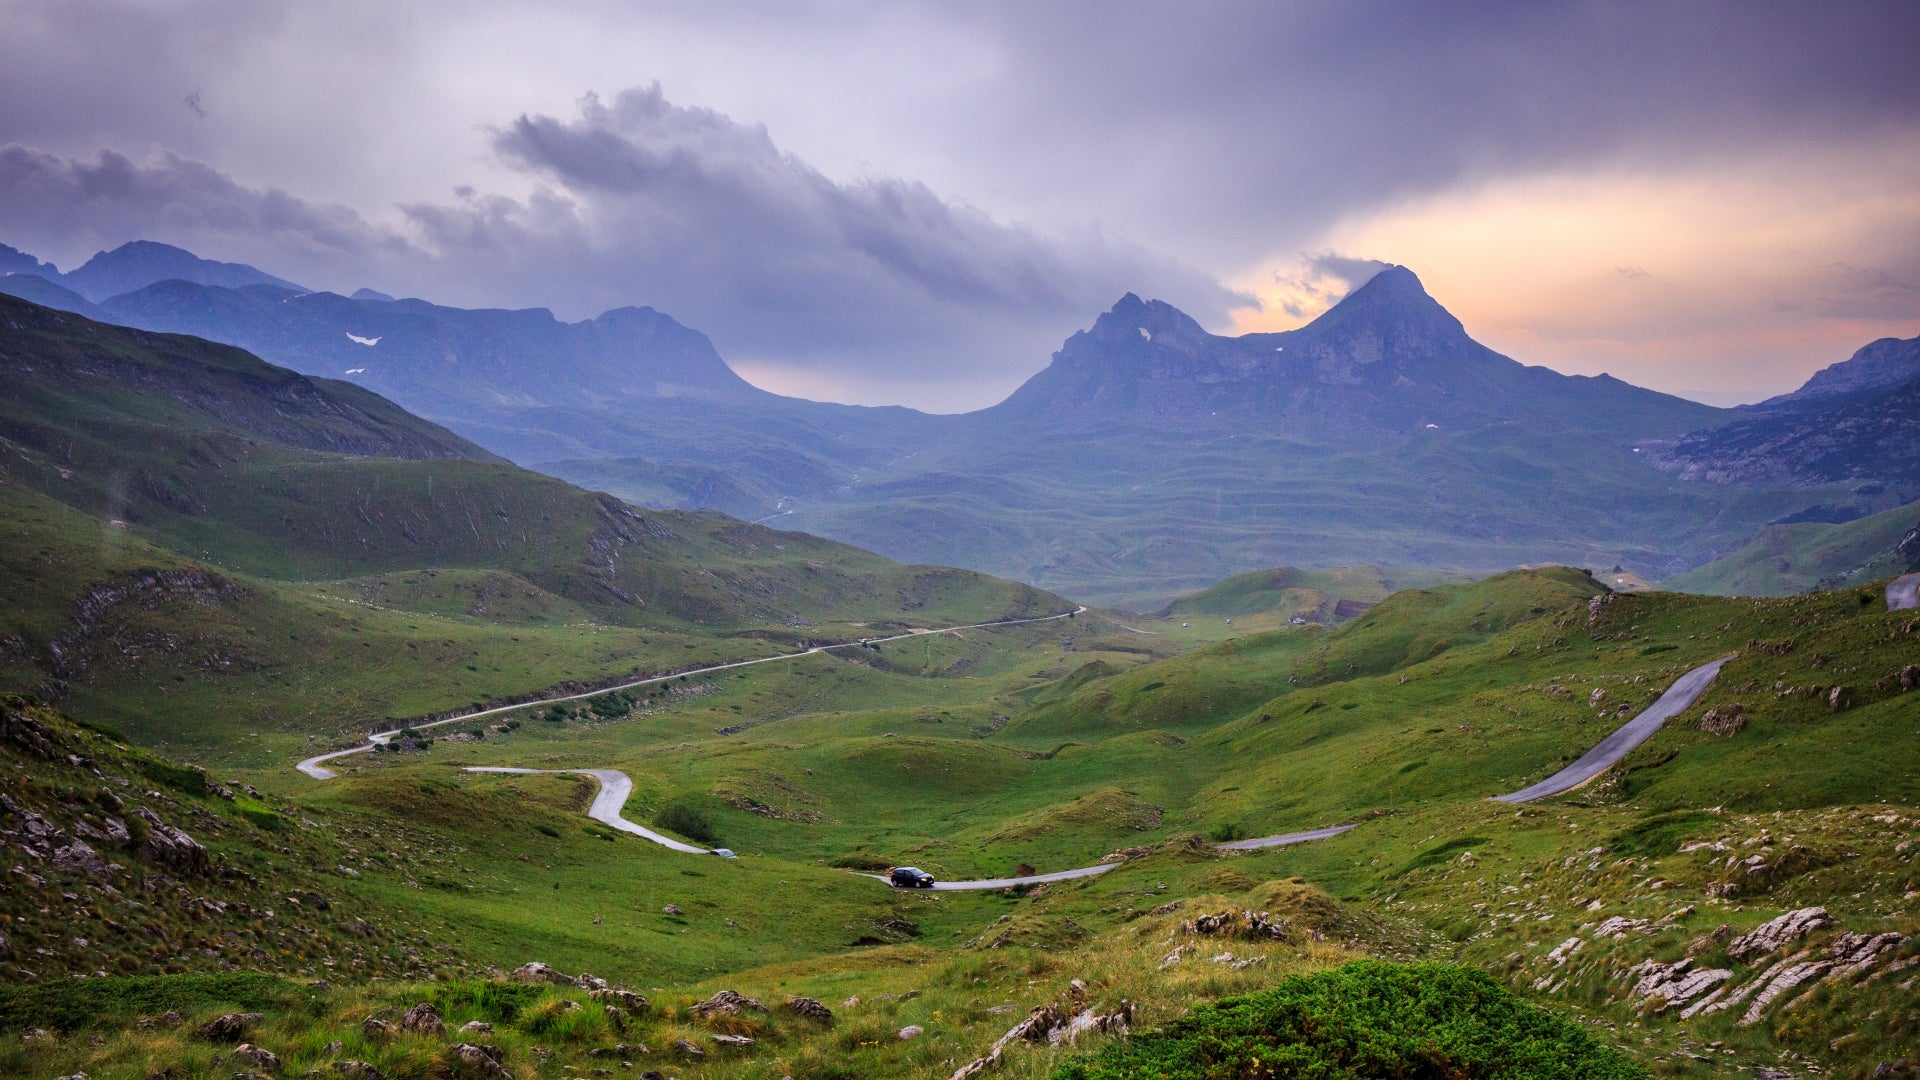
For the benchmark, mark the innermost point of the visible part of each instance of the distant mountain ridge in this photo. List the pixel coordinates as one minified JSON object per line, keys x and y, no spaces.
{"x":1388,"y":357}
{"x":137,"y":264}
{"x":1856,"y":422}
{"x":1148,"y":458}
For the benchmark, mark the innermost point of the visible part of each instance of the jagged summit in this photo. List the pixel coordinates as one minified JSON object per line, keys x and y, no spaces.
{"x":1154,"y":321}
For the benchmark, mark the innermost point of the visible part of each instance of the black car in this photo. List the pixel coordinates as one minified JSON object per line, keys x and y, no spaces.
{"x":910,"y":877}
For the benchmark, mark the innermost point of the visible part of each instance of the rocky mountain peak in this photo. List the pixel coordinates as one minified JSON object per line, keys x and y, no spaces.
{"x":1885,"y":363}
{"x":1151,"y":321}
{"x":140,"y":263}
{"x":1396,"y":308}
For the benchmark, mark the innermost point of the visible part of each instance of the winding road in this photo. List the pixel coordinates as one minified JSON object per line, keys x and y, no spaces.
{"x":313,"y":766}
{"x":616,"y":787}
{"x":1684,"y":691}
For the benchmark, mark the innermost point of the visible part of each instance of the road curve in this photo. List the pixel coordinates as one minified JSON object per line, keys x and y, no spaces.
{"x":1684,"y":691}
{"x":616,"y":787}
{"x":1903,"y":592}
{"x":315,"y":768}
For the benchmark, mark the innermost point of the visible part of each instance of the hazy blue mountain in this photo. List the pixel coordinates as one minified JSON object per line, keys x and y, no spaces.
{"x":15,"y":261}
{"x":48,"y":293}
{"x":1148,"y":458}
{"x":140,"y":263}
{"x":1388,"y":358}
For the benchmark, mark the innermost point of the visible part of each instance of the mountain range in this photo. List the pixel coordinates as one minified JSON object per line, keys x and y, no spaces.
{"x":1148,"y":458}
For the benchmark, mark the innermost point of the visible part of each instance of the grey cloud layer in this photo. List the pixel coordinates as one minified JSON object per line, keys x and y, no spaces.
{"x":643,"y":201}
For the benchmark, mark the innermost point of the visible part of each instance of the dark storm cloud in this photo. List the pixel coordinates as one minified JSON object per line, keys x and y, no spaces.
{"x":48,"y":202}
{"x":1270,"y":118}
{"x":709,"y":219}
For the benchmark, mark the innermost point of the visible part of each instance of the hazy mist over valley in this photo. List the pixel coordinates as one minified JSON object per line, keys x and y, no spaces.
{"x":1074,"y":542}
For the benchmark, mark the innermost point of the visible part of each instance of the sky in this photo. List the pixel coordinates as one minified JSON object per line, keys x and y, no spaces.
{"x":911,"y":203}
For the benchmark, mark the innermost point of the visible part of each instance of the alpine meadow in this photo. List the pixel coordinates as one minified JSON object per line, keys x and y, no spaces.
{"x":840,"y":542}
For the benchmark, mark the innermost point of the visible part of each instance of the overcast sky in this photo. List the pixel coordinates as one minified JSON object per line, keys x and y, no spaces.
{"x":906,"y":203}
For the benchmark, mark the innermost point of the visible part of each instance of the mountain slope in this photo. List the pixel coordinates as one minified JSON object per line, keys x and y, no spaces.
{"x":1787,"y":559}
{"x":180,"y":512}
{"x":140,"y":263}
{"x":1855,"y":422}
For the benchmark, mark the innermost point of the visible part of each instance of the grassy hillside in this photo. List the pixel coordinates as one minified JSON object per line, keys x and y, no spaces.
{"x":229,"y":560}
{"x":1787,"y":559}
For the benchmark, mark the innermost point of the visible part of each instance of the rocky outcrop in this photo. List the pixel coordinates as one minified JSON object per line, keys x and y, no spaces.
{"x":258,"y":1057}
{"x":423,"y":1019}
{"x":228,"y":1027}
{"x":1052,"y":1024}
{"x":725,"y":1003}
{"x":1252,"y":925}
{"x":1777,"y":933}
{"x":625,"y":999}
{"x":537,"y":972}
{"x":1725,"y":719}
{"x":171,"y":847}
{"x":479,"y":1060}
{"x":1676,"y":984}
{"x":809,"y":1008}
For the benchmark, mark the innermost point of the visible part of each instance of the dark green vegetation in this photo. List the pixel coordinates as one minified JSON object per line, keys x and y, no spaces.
{"x":1362,"y":1021}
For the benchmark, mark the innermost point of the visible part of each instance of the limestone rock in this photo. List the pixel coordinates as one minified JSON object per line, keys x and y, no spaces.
{"x":809,"y":1008}
{"x":626,"y":999}
{"x":484,"y":1060}
{"x":537,"y":972}
{"x":1772,"y":935}
{"x":358,"y":1070}
{"x":424,"y":1019}
{"x":171,"y":847}
{"x":228,"y":1027}
{"x":258,"y":1057}
{"x":476,"y":1027}
{"x":1725,"y":719}
{"x":727,"y":1003}
{"x":911,"y":1031}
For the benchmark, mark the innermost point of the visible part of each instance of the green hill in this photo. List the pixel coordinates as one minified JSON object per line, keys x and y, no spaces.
{"x":1786,"y":559}
{"x":227,"y":558}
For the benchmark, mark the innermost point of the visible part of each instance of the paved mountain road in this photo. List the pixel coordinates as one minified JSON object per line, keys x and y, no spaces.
{"x":313,"y":766}
{"x":1684,"y":691}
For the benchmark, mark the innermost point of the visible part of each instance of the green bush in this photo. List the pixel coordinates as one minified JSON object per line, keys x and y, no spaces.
{"x":1368,"y":1019}
{"x":685,"y":817}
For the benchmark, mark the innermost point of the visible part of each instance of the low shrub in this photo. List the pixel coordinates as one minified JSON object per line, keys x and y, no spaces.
{"x":1366,"y":1019}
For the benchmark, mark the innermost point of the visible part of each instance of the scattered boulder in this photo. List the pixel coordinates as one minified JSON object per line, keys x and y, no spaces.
{"x":616,"y":1016}
{"x":171,"y":847}
{"x":671,"y":909}
{"x":482,"y":1060}
{"x":358,"y":1070}
{"x":257,"y":1057}
{"x":687,"y":1049}
{"x":476,"y":1027}
{"x":911,"y":1031}
{"x":77,"y":857}
{"x":809,"y":1008}
{"x":374,"y":1027}
{"x":726,"y":1003}
{"x":1050,"y":1024}
{"x":1772,"y":935}
{"x":228,"y":1027}
{"x":1725,"y":719}
{"x":424,"y":1019}
{"x":1909,"y":677}
{"x":590,"y":983}
{"x":36,"y":1035}
{"x":626,"y":999}
{"x":737,"y":1041}
{"x":1840,"y":698}
{"x":1255,"y":925}
{"x":537,"y":972}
